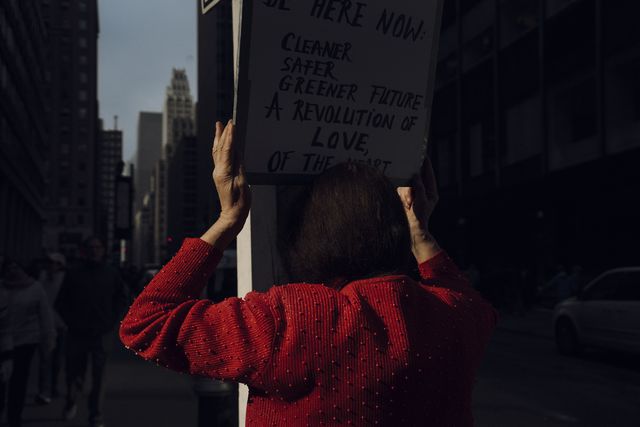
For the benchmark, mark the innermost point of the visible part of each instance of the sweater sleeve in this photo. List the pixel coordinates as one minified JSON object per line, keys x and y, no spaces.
{"x":169,"y":325}
{"x":440,"y":271}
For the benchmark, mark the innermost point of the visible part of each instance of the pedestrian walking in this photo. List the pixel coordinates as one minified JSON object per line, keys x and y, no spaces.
{"x":49,"y":362}
{"x":355,"y":340}
{"x":6,"y":344}
{"x":91,"y":301}
{"x":31,"y":327}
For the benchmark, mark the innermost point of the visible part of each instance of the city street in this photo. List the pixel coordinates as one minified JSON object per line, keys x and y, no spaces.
{"x":524,"y":382}
{"x":138,"y":394}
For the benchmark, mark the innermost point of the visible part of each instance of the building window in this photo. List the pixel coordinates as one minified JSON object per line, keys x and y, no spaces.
{"x":84,"y":78}
{"x":82,"y":95}
{"x":82,"y":24}
{"x":82,"y":113}
{"x":83,"y":60}
{"x":81,"y":201}
{"x":82,"y":42}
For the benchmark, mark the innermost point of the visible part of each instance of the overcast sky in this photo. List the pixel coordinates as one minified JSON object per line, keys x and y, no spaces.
{"x":140,"y":42}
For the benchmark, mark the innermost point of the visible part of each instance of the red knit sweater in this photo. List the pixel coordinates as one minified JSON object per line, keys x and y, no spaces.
{"x":385,"y":351}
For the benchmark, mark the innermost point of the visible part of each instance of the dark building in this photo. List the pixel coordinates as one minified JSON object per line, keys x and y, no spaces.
{"x":182,"y":188}
{"x":109,"y":167}
{"x":71,"y":179}
{"x":148,"y":152}
{"x":536,"y":133}
{"x":215,"y":95}
{"x":218,"y":402}
{"x":24,"y":130}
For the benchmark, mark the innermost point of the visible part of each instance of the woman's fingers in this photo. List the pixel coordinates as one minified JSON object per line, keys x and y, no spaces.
{"x":223,"y":150}
{"x":216,"y":141}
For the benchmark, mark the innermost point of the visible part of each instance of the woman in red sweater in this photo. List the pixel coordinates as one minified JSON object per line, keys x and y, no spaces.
{"x":357,"y":341}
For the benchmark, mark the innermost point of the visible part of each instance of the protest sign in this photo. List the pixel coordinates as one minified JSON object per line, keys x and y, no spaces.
{"x":207,"y":5}
{"x":326,"y":81}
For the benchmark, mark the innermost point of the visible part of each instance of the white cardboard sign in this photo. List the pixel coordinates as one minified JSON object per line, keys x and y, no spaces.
{"x":327,"y":81}
{"x":207,"y":5}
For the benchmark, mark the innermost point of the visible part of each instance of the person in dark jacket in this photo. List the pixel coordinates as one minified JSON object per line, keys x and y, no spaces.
{"x":90,"y":302}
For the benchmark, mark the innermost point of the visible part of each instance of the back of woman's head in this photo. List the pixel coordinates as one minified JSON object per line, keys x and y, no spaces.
{"x":348,"y":224}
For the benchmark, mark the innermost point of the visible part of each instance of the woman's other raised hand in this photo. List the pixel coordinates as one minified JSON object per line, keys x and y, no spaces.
{"x":231,"y":184}
{"x":419,"y":202}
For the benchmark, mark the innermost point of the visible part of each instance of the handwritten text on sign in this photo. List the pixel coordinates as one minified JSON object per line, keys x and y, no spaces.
{"x":338,"y":80}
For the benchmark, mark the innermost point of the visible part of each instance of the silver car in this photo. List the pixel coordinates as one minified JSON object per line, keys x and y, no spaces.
{"x":606,"y":314}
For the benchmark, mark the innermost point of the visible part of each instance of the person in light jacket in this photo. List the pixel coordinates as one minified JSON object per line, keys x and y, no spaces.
{"x":31,"y":328}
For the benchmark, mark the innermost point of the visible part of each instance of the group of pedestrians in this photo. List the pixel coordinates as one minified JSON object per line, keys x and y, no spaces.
{"x":61,"y":315}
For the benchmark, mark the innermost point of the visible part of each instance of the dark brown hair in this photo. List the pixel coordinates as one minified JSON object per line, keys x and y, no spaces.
{"x":348,"y":224}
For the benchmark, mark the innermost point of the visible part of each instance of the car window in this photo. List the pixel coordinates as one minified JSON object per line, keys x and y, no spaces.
{"x":628,"y":288}
{"x":605,"y":289}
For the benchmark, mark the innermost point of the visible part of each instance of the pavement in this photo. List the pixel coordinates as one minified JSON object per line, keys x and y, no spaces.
{"x":523,"y":382}
{"x":138,"y":394}
{"x":536,"y":322}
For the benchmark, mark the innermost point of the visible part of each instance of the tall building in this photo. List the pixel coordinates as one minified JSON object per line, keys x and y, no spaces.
{"x":535,"y":133}
{"x":71,"y":183}
{"x":148,"y":152}
{"x":215,"y":96}
{"x":178,"y":122}
{"x":109,"y":166}
{"x":24,"y":129}
{"x":178,"y":106}
{"x":215,"y":103}
{"x":182,"y":190}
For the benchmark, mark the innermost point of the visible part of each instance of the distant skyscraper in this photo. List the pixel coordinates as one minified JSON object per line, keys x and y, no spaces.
{"x":24,"y":134}
{"x":109,"y":165}
{"x":178,"y":106}
{"x":72,"y":55}
{"x":178,"y":122}
{"x":148,"y":152}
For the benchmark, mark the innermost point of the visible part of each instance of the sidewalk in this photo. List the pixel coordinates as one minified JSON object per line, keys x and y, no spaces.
{"x":138,"y":394}
{"x":536,"y":322}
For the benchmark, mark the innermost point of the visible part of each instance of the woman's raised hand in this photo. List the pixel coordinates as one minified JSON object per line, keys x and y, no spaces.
{"x":419,"y":202}
{"x":230,"y":179}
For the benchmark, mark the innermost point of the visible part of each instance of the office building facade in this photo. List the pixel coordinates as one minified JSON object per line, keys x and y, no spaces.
{"x":109,"y":166}
{"x":72,"y":56}
{"x":148,"y":152}
{"x":535,"y":133}
{"x":24,"y":130}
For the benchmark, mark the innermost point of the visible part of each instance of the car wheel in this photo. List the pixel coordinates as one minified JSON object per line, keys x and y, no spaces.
{"x":567,"y":338}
